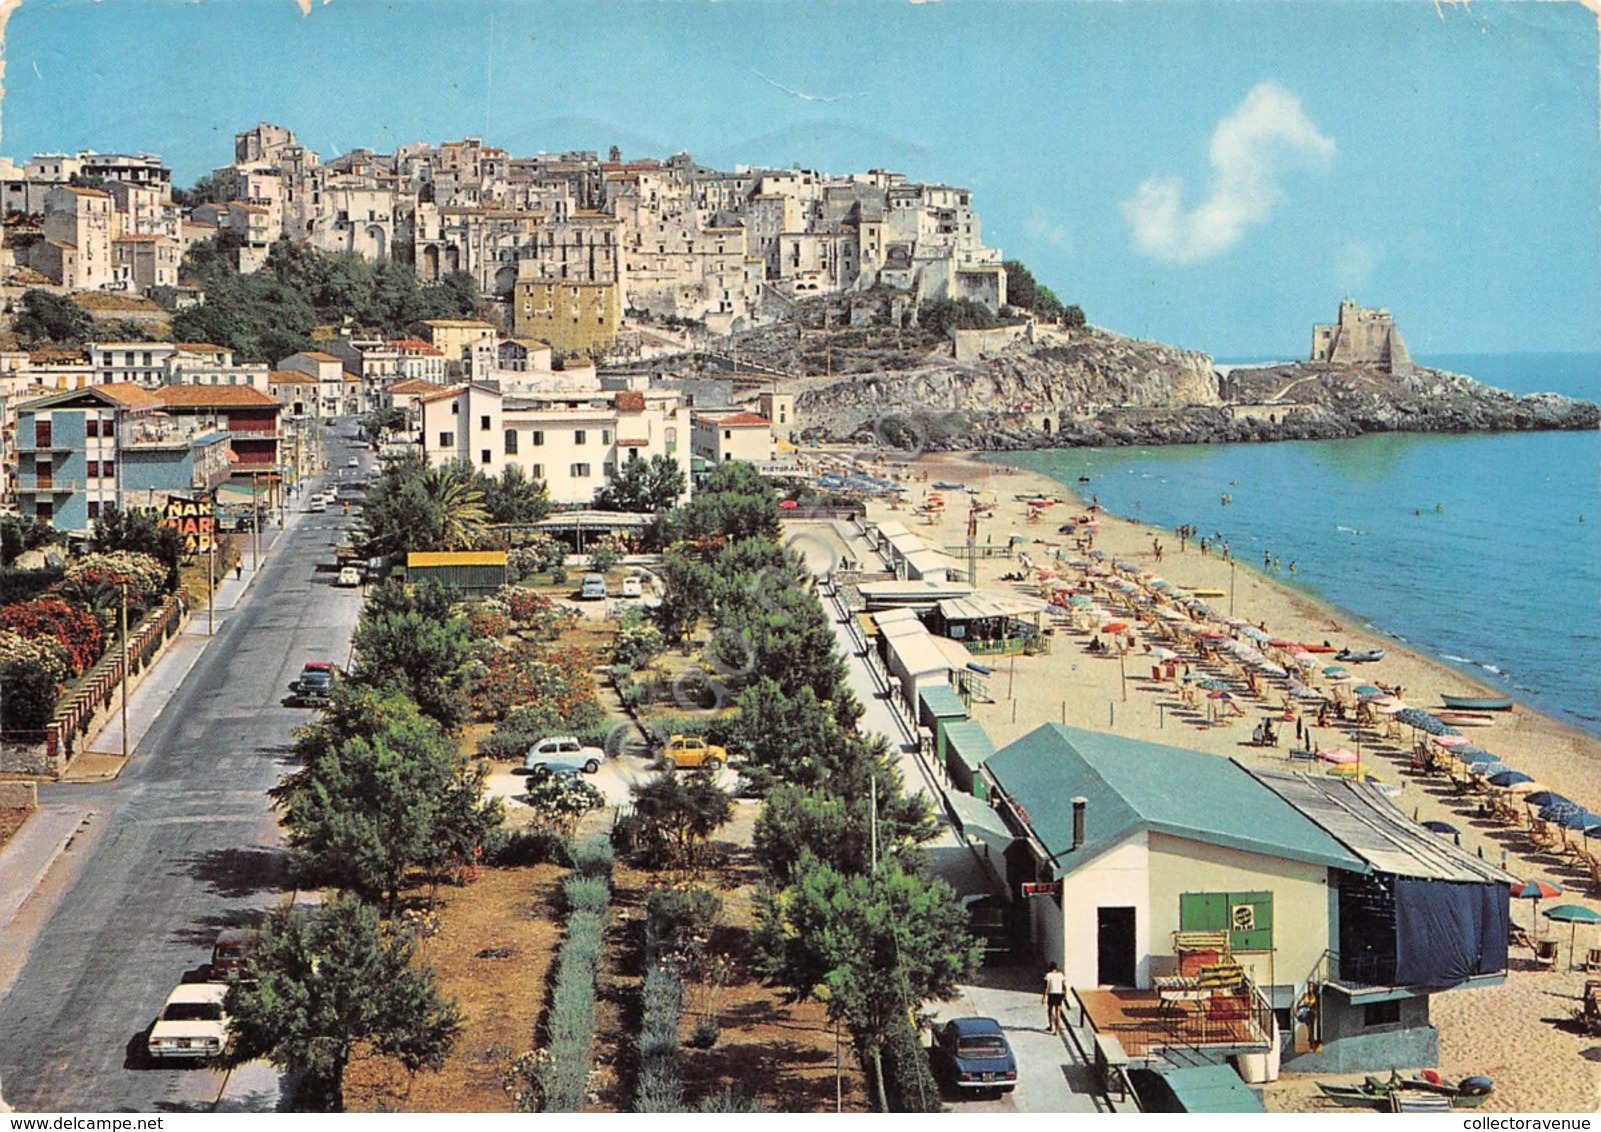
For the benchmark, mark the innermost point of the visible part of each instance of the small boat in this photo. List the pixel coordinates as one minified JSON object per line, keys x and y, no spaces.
{"x":1325,"y":647}
{"x":1355,"y":1096}
{"x":946,"y":485}
{"x":1389,"y":1096}
{"x":1478,"y":703}
{"x":1208,"y":593}
{"x":1030,"y":496}
{"x":1359,"y":656}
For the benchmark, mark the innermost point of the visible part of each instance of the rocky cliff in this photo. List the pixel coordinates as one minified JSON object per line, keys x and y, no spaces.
{"x":1098,"y":388}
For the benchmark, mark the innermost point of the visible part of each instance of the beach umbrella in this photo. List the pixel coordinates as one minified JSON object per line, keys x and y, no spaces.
{"x":1569,"y":815}
{"x":1509,"y":777}
{"x":1485,"y":770}
{"x":1525,"y":788}
{"x":1471,"y":755}
{"x":1444,"y":829}
{"x":1335,"y":670}
{"x":1536,"y":890}
{"x":1449,"y":741}
{"x":1114,"y":627}
{"x":1162,"y":652}
{"x":1212,"y":684}
{"x":1368,"y":690}
{"x":1573,"y":915}
{"x":1545,"y":798}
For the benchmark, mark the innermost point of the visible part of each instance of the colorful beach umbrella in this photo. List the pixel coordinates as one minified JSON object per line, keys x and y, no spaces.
{"x":1338,"y":755}
{"x":1536,"y":890}
{"x":1573,"y":915}
{"x":1450,"y":741}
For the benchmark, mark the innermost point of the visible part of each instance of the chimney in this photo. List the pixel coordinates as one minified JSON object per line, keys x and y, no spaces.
{"x":1079,"y":805}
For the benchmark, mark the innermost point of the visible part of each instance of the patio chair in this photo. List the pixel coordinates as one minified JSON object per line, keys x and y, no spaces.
{"x":1520,"y":937}
{"x":1592,"y":959}
{"x":1545,"y":954}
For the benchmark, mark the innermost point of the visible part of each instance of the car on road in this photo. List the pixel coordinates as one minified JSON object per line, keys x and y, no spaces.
{"x":316,"y":503}
{"x":348,"y":576}
{"x":973,"y":1055}
{"x":192,"y":1025}
{"x":592,"y":587}
{"x":353,"y":463}
{"x":313,"y":686}
{"x":633,"y":586}
{"x":562,"y":754}
{"x":691,"y":751}
{"x":228,"y":954}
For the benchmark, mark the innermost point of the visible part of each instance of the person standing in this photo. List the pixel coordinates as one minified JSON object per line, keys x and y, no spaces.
{"x":1054,"y":998}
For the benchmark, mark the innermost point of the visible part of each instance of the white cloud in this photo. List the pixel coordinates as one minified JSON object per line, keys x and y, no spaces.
{"x":1250,"y":148}
{"x":1041,"y":227}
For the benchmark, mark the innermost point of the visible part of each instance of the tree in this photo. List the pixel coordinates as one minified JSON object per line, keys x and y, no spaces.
{"x":382,"y":791}
{"x":513,"y":496}
{"x":875,"y":945}
{"x":735,"y":501}
{"x":417,"y":507}
{"x":1073,"y":317}
{"x":18,"y":534}
{"x":834,"y":824}
{"x":421,"y":657}
{"x":462,"y":514}
{"x":138,"y":530}
{"x":945,"y":315}
{"x":327,"y":980}
{"x":655,"y":484}
{"x":677,"y":812}
{"x":47,"y":317}
{"x":381,"y":421}
{"x":1023,"y":290}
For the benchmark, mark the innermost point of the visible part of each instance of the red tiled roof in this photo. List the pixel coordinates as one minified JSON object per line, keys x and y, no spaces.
{"x":743,"y":420}
{"x":209,"y":396}
{"x":411,"y":385}
{"x":630,"y":401}
{"x":290,"y":377}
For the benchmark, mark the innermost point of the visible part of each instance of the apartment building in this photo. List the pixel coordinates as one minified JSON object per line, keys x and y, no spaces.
{"x":572,"y":441}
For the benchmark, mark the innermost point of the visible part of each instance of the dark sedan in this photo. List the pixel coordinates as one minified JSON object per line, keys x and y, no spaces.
{"x":973,"y":1053}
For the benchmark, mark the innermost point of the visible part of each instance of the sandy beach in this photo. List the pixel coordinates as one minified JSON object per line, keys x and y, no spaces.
{"x":1519,"y":1034}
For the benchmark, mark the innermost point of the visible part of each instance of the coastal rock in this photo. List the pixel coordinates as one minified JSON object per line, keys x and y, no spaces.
{"x":1094,"y":388}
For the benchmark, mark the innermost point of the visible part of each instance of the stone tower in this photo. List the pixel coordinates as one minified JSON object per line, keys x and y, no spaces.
{"x":1362,"y":336}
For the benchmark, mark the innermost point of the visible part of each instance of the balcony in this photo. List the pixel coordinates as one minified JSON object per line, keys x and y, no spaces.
{"x":254,"y":434}
{"x":49,"y":487}
{"x":47,"y":446}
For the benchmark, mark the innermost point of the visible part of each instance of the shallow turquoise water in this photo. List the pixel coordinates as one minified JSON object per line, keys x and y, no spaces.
{"x":1483,"y":550}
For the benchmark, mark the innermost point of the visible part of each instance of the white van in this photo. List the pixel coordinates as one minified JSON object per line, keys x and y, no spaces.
{"x":594,"y":586}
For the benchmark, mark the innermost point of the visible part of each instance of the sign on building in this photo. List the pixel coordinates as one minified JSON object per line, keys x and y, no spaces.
{"x":194,"y":521}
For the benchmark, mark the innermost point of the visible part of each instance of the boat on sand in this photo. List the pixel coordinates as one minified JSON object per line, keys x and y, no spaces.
{"x":1477,"y":703}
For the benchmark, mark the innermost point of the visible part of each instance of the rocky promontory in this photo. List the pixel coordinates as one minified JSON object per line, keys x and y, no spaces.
{"x":1053,"y":388}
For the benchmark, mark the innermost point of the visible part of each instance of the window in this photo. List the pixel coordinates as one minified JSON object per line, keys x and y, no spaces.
{"x":511,"y":442}
{"x":728,"y":434}
{"x":483,"y":456}
{"x":94,"y":509}
{"x":445,"y":439}
{"x":579,"y":471}
{"x":483,"y":424}
{"x":1246,"y":916}
{"x":108,"y":469}
{"x":92,"y":469}
{"x":605,"y":436}
{"x":537,"y":471}
{"x":91,"y":426}
{"x":538,"y":438}
{"x":580,"y":436}
{"x":455,"y":408}
{"x":44,"y":509}
{"x":1382,"y":1013}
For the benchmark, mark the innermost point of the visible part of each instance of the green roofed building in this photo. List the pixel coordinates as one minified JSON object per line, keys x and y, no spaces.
{"x":1139,"y":864}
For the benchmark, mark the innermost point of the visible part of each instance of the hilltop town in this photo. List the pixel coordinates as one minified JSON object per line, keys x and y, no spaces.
{"x":644,"y":747}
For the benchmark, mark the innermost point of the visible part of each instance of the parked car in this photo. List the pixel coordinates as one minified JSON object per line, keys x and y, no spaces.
{"x":633,"y":586}
{"x":973,"y":1054}
{"x":348,"y":576}
{"x":353,"y":462}
{"x":693,"y":751}
{"x":316,"y":503}
{"x":592,"y":587}
{"x":228,"y":954}
{"x":313,"y":686}
{"x":562,"y":754}
{"x":192,"y":1025}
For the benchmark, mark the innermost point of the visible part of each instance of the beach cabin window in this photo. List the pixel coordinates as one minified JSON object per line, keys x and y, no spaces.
{"x":1246,"y":916}
{"x":1382,"y":1013}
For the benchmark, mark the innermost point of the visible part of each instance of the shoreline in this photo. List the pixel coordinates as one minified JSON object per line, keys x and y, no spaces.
{"x":1507,"y":1032}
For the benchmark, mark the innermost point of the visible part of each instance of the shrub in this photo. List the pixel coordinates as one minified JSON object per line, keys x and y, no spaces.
{"x":676,"y":916}
{"x":704,"y":1033}
{"x":24,"y":585}
{"x":660,"y":1087}
{"x":80,"y":633}
{"x":534,"y":844}
{"x":729,"y":1101}
{"x":908,"y":1079}
{"x":586,"y":894}
{"x":560,"y":800}
{"x":636,"y":644}
{"x":593,"y":857}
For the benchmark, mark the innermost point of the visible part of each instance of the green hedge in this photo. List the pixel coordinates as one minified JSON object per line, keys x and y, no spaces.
{"x":661,"y":1086}
{"x":908,"y":1079}
{"x":570,"y":1026}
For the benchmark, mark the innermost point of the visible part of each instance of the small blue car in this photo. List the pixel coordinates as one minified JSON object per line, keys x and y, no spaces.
{"x":973,"y":1053}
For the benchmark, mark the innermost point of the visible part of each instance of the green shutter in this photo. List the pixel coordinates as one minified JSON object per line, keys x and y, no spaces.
{"x":1203,"y":912}
{"x":1259,"y":937}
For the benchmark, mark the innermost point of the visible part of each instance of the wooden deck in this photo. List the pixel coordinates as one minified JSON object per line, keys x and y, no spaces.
{"x":1142,"y":1022}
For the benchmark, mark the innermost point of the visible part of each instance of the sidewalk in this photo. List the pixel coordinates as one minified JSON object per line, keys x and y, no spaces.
{"x":27,"y":857}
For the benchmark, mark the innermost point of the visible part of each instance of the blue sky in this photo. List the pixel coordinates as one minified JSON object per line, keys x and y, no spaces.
{"x":1216,"y":175}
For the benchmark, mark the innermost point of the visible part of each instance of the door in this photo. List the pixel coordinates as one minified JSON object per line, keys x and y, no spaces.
{"x":1114,"y":947}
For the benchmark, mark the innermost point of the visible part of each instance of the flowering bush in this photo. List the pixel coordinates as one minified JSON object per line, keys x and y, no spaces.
{"x":536,"y":558}
{"x":93,"y":574}
{"x":534,"y":614}
{"x":489,"y":620}
{"x":79,"y":632}
{"x":31,"y":674}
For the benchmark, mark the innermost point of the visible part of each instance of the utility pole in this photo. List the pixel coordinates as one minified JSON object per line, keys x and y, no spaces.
{"x":1231,"y":587}
{"x":255,"y":524}
{"x":125,"y":671}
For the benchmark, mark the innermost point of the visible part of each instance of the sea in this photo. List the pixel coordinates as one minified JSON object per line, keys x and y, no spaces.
{"x":1483,"y":550}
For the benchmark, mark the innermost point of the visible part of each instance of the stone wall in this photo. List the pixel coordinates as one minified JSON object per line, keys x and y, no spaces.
{"x":18,"y":796}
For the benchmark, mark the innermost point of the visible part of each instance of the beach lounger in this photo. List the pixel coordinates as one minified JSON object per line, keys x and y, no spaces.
{"x":1545,"y":953}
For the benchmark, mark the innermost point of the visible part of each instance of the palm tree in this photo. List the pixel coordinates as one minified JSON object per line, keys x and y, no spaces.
{"x":463,"y":518}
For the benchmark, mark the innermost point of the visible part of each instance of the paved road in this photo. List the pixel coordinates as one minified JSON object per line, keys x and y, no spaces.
{"x":181,"y":845}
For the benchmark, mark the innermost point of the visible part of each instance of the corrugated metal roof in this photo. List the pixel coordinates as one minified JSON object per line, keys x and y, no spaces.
{"x":455,"y":558}
{"x":1132,"y":785}
{"x":1370,"y":825}
{"x":942,"y":701}
{"x":894,"y":617}
{"x":890,"y":528}
{"x":970,"y":740}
